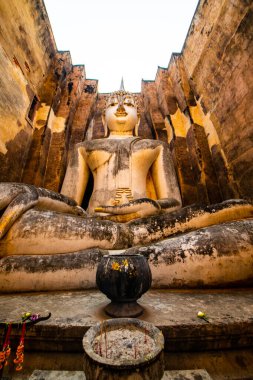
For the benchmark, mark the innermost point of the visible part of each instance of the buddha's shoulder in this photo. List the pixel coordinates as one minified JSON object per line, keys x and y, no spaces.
{"x":150,"y":144}
{"x":97,"y":144}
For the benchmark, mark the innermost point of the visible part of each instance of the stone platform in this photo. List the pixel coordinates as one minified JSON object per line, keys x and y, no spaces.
{"x":200,"y":374}
{"x":190,"y":342}
{"x":230,"y":314}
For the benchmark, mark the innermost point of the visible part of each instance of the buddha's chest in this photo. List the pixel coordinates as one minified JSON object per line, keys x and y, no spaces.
{"x":121,"y":157}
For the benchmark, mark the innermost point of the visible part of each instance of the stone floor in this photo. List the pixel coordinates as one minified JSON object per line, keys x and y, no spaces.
{"x":223,"y":346}
{"x":220,"y":364}
{"x":200,"y":374}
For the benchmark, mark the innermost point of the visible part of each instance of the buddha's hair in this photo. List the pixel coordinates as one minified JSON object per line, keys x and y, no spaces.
{"x":121,"y":93}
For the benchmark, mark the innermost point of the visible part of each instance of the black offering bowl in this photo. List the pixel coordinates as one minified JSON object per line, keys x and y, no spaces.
{"x":123,"y":279}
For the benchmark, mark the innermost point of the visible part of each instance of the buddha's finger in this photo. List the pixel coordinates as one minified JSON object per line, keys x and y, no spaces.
{"x":77,"y":210}
{"x":118,"y":210}
{"x":144,"y":205}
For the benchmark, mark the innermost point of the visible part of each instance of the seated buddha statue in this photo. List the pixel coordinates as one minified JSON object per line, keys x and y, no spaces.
{"x":133,"y":177}
{"x":135,"y":200}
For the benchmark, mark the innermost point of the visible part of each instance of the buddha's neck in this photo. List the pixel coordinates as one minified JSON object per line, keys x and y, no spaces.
{"x":120,"y":134}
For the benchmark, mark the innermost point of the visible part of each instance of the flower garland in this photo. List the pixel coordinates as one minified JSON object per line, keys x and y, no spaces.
{"x":20,"y":350}
{"x":6,"y":350}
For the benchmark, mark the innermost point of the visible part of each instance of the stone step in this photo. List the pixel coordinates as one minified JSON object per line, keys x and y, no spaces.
{"x":190,"y":374}
{"x":57,"y":375}
{"x":194,"y":374}
{"x":174,"y":312}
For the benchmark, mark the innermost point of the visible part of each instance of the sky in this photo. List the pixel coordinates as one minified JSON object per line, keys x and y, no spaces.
{"x":115,"y":38}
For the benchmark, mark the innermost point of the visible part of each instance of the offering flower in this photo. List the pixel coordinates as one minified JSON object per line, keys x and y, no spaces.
{"x":202,"y":315}
{"x":115,"y":266}
{"x":26,"y":316}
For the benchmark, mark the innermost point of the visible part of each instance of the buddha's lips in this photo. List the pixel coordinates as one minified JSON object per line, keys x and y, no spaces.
{"x":119,"y":113}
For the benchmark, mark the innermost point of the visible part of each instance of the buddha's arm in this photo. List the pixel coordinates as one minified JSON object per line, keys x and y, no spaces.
{"x":77,"y":175}
{"x":165,"y":180}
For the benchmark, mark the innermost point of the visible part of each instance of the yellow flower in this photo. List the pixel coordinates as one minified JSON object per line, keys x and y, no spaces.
{"x":115,"y":266}
{"x":125,"y":263}
{"x":203,"y":316}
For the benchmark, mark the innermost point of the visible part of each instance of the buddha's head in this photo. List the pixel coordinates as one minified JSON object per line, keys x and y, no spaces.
{"x":121,"y":114}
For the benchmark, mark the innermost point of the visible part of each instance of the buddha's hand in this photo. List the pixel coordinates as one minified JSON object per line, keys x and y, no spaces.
{"x":138,"y":208}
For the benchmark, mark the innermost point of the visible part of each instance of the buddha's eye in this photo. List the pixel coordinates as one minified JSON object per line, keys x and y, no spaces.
{"x":129,"y":104}
{"x":112,"y":104}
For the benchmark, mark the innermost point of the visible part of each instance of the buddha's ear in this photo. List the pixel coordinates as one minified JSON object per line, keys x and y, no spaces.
{"x":136,"y":128}
{"x":105,"y":125}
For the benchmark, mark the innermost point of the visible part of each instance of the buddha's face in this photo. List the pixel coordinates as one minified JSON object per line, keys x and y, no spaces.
{"x":121,"y":112}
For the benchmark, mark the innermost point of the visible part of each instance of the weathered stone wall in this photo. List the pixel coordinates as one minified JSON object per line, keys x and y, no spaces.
{"x":60,"y":122}
{"x":218,"y":57}
{"x":27,"y":49}
{"x":34,"y":145}
{"x":203,"y":102}
{"x":169,"y":101}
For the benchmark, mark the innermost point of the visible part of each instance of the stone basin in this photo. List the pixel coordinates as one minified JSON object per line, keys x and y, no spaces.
{"x":147,"y":365}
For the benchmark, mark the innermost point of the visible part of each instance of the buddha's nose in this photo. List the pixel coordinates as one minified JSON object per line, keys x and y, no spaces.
{"x":121,"y":107}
